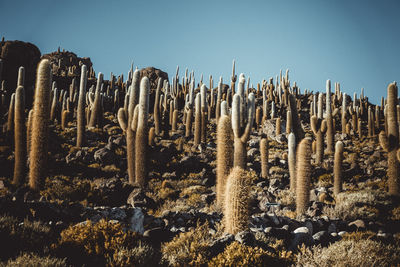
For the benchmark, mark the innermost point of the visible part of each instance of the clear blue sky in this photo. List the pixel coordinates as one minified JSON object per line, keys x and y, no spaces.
{"x":356,"y":43}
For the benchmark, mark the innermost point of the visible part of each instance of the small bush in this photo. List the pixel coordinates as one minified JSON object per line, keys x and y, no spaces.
{"x":237,"y":254}
{"x":94,"y":243}
{"x":188,"y":249}
{"x":142,"y":255}
{"x":34,"y":260}
{"x":363,"y":252}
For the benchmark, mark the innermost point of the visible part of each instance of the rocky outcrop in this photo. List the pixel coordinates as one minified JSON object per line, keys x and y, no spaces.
{"x":14,"y":55}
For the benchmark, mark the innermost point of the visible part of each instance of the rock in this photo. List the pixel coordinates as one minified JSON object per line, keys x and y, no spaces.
{"x":208,"y":198}
{"x":104,"y":156}
{"x":357,"y":224}
{"x":138,"y":199}
{"x":117,"y":214}
{"x":273,"y":218}
{"x":136,"y":221}
{"x":110,"y":191}
{"x":14,"y":55}
{"x":300,"y":238}
{"x":245,"y":238}
{"x":254,"y":143}
{"x":158,"y":235}
{"x":279,"y":233}
{"x":332,"y":228}
{"x":251,"y":153}
{"x":301,"y":230}
{"x":322,"y":237}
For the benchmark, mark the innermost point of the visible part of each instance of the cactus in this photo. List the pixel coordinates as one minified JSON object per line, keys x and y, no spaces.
{"x":96,"y":115}
{"x":289,"y":123}
{"x":236,"y":212}
{"x":19,"y":137}
{"x":40,"y":121}
{"x":21,"y":77}
{"x":29,"y":131}
{"x":174,"y":120}
{"x":264,"y":147}
{"x":197,"y":120}
{"x":318,"y":126}
{"x":224,"y":155}
{"x":10,"y":118}
{"x":141,"y":134}
{"x":292,"y":161}
{"x":157,"y":107}
{"x":203,"y":94}
{"x":151,"y":136}
{"x":337,"y":169}
{"x":344,"y":113}
{"x":330,"y":130}
{"x":303,"y":173}
{"x":80,"y":136}
{"x":126,"y":119}
{"x":241,"y":135}
{"x":278,"y":126}
{"x":296,"y":125}
{"x":389,"y":140}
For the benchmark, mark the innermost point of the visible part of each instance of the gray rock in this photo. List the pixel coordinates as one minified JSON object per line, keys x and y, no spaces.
{"x":322,"y":237}
{"x":301,"y":238}
{"x":104,"y":156}
{"x":301,"y":230}
{"x":136,"y":221}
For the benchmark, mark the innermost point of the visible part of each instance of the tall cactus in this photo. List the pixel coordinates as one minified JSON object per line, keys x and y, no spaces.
{"x":96,"y":115}
{"x":80,"y":138}
{"x":126,"y":119}
{"x":330,"y":131}
{"x":264,"y":147}
{"x":236,"y":210}
{"x":241,"y":135}
{"x":292,"y":161}
{"x":389,"y":140}
{"x":303,"y":169}
{"x":197,"y":120}
{"x":142,"y":134}
{"x":19,"y":137}
{"x":337,"y":169}
{"x":224,"y":155}
{"x":318,"y":126}
{"x":40,"y":126}
{"x":296,"y":125}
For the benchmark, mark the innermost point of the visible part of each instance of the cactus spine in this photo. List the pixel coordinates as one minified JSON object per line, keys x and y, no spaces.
{"x":264,"y":147}
{"x":337,"y":169}
{"x":141,"y":134}
{"x":80,"y":138}
{"x":40,"y":121}
{"x":236,"y":213}
{"x":303,"y":169}
{"x":389,"y":140}
{"x":224,"y":155}
{"x":19,"y":137}
{"x":292,"y":161}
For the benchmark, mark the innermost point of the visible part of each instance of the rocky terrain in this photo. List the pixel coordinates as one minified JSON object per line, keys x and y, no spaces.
{"x":101,"y":203}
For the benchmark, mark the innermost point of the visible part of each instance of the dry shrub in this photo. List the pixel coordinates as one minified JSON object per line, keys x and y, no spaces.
{"x":34,"y":260}
{"x":364,"y":204}
{"x":94,"y":244}
{"x":188,"y":249}
{"x":364,"y":252}
{"x":141,"y":256}
{"x":237,"y":254}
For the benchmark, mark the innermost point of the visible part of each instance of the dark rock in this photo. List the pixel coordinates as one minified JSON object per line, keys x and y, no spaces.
{"x":245,"y":238}
{"x":357,"y":225}
{"x":301,"y":236}
{"x":322,"y":237}
{"x":14,"y":55}
{"x":104,"y":156}
{"x":158,"y":235}
{"x":138,"y":199}
{"x":110,"y":192}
